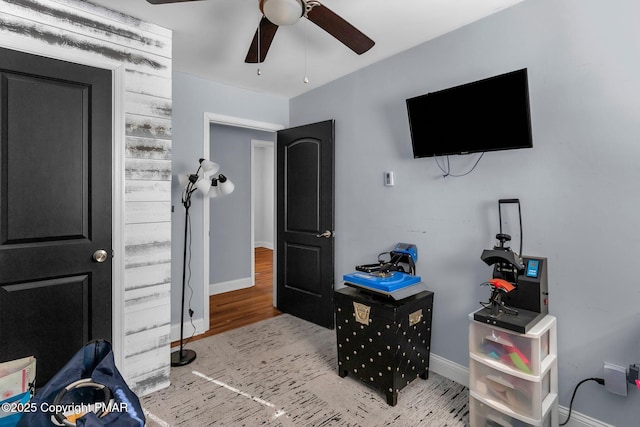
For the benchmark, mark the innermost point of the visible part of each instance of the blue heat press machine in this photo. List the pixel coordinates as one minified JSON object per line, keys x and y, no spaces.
{"x":395,"y":278}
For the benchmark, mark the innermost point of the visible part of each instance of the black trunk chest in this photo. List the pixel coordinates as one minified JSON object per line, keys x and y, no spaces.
{"x":383,"y":342}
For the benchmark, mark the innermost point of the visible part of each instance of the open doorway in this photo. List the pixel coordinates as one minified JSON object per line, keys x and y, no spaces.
{"x":235,"y":308}
{"x":247,"y":290}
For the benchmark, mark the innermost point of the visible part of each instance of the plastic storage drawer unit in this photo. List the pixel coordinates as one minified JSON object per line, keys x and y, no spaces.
{"x":482,"y":415}
{"x":518,"y":393}
{"x":513,"y":377}
{"x":523,"y":352}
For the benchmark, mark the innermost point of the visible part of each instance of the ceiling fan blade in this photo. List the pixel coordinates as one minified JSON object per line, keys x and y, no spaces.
{"x":168,"y":1}
{"x":267,"y":31}
{"x":346,"y":33}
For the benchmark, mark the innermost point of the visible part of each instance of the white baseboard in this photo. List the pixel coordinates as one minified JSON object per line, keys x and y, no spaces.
{"x":460,"y":374}
{"x":232,"y":285}
{"x":449,"y":369}
{"x":268,"y":245}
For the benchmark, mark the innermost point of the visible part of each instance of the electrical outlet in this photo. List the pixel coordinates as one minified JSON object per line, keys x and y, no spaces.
{"x":615,"y":379}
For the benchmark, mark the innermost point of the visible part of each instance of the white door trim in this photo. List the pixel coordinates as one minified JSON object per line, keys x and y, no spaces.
{"x":209,"y":119}
{"x":118,"y":128}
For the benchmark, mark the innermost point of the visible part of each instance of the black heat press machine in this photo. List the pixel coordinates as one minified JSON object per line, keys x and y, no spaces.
{"x":519,"y":286}
{"x":395,"y":278}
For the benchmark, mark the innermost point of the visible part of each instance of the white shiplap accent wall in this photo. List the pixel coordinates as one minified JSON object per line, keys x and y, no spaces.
{"x":81,"y":32}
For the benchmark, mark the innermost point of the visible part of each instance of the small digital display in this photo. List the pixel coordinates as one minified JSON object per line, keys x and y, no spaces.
{"x":532,"y":268}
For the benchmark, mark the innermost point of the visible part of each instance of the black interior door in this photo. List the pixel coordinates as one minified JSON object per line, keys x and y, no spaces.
{"x":55,"y":208}
{"x":305,"y":207}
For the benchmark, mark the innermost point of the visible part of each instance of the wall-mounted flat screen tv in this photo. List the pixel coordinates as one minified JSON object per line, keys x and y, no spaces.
{"x":485,"y":115}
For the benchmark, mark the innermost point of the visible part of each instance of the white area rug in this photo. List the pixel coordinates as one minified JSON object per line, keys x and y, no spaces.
{"x":283,"y":372}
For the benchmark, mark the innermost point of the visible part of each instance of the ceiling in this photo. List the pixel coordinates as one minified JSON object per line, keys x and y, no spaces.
{"x":211,"y":37}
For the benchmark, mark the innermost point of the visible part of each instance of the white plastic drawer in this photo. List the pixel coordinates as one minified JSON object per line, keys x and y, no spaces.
{"x":515,"y":393}
{"x":482,"y":415}
{"x":523,"y":352}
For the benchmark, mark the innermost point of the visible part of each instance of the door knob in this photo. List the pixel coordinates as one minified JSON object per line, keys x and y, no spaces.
{"x":100,"y":255}
{"x":326,"y":234}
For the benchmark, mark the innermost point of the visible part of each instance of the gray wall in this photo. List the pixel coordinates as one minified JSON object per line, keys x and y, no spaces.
{"x":578,"y":185}
{"x":192,"y":97}
{"x":231,"y":215}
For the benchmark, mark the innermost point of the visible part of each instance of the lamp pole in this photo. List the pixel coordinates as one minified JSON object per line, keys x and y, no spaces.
{"x":184,"y":357}
{"x":206,"y":185}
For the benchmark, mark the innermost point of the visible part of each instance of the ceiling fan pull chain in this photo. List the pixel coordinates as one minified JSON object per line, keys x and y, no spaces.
{"x":258,"y":61}
{"x":306,"y":79}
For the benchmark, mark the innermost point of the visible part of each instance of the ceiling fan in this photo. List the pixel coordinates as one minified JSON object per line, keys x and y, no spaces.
{"x":287,"y":12}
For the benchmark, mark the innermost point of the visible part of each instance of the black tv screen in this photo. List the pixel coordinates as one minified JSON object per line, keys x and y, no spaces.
{"x":486,"y":115}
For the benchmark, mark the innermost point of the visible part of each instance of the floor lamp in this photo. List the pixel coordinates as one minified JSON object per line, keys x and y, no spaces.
{"x":210,"y":185}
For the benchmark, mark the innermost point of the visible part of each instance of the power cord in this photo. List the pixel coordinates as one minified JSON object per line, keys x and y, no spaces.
{"x":188,"y":280}
{"x":598,"y":380}
{"x":447,"y":172}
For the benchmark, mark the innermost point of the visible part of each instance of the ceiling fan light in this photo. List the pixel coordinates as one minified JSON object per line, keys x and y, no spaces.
{"x":283,"y":12}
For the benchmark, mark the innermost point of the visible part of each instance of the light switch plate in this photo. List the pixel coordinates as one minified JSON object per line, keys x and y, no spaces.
{"x":388,"y":179}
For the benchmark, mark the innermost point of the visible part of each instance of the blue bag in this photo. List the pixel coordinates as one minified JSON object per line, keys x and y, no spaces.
{"x":90,"y":376}
{"x":20,"y":399}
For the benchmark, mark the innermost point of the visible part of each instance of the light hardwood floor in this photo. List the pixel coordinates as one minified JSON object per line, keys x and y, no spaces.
{"x":231,"y":310}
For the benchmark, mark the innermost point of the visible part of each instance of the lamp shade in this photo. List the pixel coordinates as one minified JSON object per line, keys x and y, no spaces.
{"x":225,"y":185}
{"x":183,"y":179}
{"x":209,"y":167}
{"x":204,"y":185}
{"x":214,"y":191}
{"x":283,"y":12}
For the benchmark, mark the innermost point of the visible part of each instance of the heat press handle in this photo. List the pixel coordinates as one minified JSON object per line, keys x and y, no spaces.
{"x":504,"y":202}
{"x":507,"y":201}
